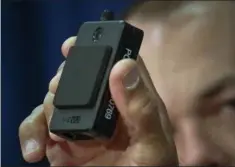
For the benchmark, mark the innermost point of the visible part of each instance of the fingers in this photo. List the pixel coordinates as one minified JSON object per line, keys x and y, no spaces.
{"x":139,"y":106}
{"x":133,"y":99}
{"x":48,"y":101}
{"x":49,"y":107}
{"x":165,"y":122}
{"x":67,"y":45}
{"x":33,"y":131}
{"x":33,"y":134}
{"x":65,"y":49}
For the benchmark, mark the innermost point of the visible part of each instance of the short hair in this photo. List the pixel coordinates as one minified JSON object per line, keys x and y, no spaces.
{"x":150,"y":8}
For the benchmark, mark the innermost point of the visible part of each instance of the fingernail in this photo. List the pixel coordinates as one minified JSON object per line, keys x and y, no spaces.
{"x":31,"y":146}
{"x":131,"y":79}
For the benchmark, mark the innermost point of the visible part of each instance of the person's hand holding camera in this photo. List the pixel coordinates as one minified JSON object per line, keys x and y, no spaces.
{"x":143,"y":134}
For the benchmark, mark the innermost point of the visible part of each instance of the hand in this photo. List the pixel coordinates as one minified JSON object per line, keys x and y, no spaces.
{"x":143,"y":135}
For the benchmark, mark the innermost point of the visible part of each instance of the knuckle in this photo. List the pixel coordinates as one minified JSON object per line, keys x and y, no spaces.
{"x":48,"y":100}
{"x":30,"y":125}
{"x":143,"y":108}
{"x":141,"y":103}
{"x":53,"y":85}
{"x":147,"y":105}
{"x":38,"y":109}
{"x":30,"y":120}
{"x":21,"y":127}
{"x":54,"y":82}
{"x":48,"y":106}
{"x":34,"y":124}
{"x":61,"y":67}
{"x":26,"y":126}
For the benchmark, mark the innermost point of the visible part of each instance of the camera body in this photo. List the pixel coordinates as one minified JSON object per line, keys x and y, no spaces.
{"x":84,"y":108}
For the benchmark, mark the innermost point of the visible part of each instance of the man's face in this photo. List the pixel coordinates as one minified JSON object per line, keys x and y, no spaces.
{"x":191,"y":58}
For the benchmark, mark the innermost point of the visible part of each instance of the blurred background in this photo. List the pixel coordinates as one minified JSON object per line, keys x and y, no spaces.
{"x":32,"y":34}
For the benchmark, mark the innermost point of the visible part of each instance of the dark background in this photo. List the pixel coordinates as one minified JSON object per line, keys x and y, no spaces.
{"x":32,"y":34}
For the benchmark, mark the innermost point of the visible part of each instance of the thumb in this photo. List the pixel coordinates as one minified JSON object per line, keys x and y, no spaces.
{"x":139,"y":109}
{"x":134,"y":100}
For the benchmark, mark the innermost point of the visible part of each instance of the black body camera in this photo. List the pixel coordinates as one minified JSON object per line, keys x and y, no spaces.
{"x":84,"y":108}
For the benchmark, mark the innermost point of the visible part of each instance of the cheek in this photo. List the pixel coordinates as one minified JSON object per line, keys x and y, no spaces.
{"x":222,"y":131}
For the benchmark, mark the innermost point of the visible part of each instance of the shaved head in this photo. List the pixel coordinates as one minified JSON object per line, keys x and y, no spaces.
{"x":189,"y":51}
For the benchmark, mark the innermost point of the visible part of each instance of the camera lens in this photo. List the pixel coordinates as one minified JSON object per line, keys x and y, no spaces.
{"x":97,"y":34}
